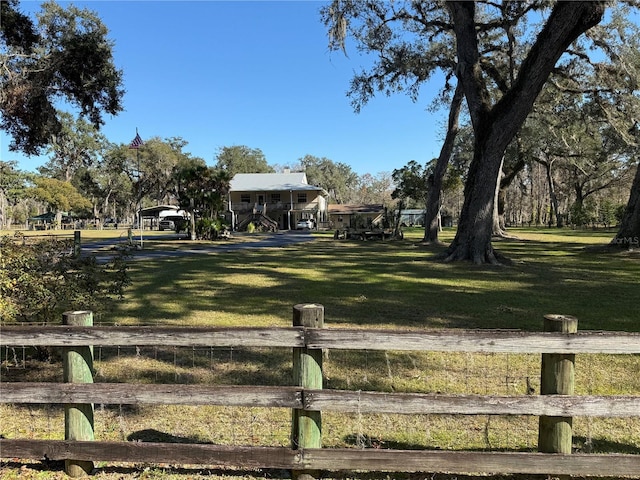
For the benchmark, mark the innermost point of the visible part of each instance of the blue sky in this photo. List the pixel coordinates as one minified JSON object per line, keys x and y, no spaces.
{"x":251,"y":73}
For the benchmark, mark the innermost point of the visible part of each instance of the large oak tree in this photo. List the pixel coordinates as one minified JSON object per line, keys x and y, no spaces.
{"x":495,"y":123}
{"x":497,"y":108}
{"x":64,"y":56}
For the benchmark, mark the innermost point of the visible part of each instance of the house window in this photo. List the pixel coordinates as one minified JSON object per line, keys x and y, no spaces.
{"x":275,"y":198}
{"x":245,"y":198}
{"x":302,"y":197}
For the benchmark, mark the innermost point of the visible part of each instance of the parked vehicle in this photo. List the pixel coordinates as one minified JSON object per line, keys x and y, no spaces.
{"x":166,"y":225}
{"x":304,"y":225}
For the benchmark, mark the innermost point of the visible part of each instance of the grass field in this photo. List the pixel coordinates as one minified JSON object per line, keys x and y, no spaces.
{"x":391,"y":285}
{"x":396,"y":284}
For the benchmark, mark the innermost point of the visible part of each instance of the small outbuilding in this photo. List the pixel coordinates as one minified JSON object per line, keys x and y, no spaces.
{"x":356,"y":216}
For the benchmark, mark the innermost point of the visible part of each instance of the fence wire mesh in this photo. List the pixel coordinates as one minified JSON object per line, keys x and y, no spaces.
{"x":384,"y":371}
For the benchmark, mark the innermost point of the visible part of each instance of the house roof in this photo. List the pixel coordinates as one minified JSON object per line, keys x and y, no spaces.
{"x":155,"y":211}
{"x":262,"y":182}
{"x":44,"y":216}
{"x":344,"y":209}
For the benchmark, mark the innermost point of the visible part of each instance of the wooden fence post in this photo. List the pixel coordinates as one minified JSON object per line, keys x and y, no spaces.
{"x":557,"y":377}
{"x":77,"y":364}
{"x":306,"y":429}
{"x":77,"y":247}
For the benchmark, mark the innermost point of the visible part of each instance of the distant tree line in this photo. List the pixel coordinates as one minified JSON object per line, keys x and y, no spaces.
{"x":542,"y":128}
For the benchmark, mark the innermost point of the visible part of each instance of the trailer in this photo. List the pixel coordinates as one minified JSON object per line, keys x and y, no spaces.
{"x":365,"y":234}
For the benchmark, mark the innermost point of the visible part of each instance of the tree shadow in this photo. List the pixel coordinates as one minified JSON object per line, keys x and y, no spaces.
{"x":601,"y":445}
{"x":48,"y":467}
{"x":152,"y":435}
{"x":581,"y":445}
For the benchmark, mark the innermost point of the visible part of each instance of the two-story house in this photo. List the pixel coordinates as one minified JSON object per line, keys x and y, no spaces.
{"x":277,"y":201}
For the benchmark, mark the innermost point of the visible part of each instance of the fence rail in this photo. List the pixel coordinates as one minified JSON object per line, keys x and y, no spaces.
{"x":323,"y":400}
{"x":308,"y":399}
{"x":472,"y":341}
{"x":328,"y":458}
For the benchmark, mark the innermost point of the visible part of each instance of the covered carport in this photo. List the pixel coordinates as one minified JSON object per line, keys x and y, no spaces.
{"x":151,"y":215}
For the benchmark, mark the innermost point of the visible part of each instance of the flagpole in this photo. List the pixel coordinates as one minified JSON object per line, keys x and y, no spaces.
{"x":136,"y":143}
{"x":139,"y":195}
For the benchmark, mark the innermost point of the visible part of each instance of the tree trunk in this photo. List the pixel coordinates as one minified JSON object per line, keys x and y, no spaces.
{"x":434,"y":200}
{"x":192,"y":220}
{"x":508,"y":174}
{"x":497,"y":229}
{"x":629,"y":234}
{"x":473,"y":238}
{"x":434,"y":187}
{"x":495,"y":124}
{"x":500,"y":222}
{"x":4,"y":211}
{"x":396,"y":227}
{"x":553,"y":198}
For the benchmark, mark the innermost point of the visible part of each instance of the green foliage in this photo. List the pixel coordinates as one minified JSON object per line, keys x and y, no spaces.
{"x":208,"y":229}
{"x":608,"y":213}
{"x":39,"y":281}
{"x":619,"y":213}
{"x":584,"y":213}
{"x":201,"y":190}
{"x":411,"y":185}
{"x":336,"y":178}
{"x":76,"y":148}
{"x":59,"y":195}
{"x":158,"y":160}
{"x":242,"y":159}
{"x":65,"y":56}
{"x":12,"y":190}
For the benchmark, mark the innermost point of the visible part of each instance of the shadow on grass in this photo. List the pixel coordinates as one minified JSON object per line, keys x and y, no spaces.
{"x":581,"y":445}
{"x":600,"y":445}
{"x":152,"y":435}
{"x":388,"y":284}
{"x":50,"y":468}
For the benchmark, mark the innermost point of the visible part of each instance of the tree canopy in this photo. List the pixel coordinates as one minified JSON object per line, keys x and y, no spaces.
{"x":59,"y":195}
{"x":500,"y":57}
{"x":242,"y":159}
{"x":336,"y":178}
{"x":65,"y":55}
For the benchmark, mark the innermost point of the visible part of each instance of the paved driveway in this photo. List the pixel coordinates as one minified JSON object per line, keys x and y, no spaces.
{"x":100,"y":248}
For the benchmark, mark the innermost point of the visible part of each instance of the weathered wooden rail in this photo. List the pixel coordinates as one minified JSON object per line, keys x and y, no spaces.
{"x":308,"y":399}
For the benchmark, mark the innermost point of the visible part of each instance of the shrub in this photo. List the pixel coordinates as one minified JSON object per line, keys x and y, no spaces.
{"x":208,"y":228}
{"x":39,"y":281}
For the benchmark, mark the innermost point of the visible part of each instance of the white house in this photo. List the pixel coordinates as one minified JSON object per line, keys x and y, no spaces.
{"x":277,"y":201}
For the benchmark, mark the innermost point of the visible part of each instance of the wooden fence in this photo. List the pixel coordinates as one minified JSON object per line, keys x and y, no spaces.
{"x":307,"y":399}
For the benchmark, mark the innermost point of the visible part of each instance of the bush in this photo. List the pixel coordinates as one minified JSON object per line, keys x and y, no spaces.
{"x":40,"y":281}
{"x":208,"y":228}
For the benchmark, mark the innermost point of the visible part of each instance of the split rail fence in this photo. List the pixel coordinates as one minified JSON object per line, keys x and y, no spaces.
{"x":558,"y":344}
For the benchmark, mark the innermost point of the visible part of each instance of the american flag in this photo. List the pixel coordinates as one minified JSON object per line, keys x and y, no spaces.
{"x":137,"y":142}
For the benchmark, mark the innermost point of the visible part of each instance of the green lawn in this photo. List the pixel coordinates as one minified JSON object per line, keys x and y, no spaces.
{"x":395,"y":284}
{"x":392,"y":285}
